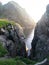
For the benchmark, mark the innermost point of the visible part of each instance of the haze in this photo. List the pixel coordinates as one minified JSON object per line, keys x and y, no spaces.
{"x":35,"y":8}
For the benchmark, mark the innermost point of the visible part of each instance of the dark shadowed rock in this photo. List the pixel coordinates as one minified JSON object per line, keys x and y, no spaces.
{"x":40,"y":43}
{"x":12,"y":40}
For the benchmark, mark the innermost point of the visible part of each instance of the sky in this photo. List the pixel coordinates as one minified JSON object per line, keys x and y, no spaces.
{"x":35,"y":8}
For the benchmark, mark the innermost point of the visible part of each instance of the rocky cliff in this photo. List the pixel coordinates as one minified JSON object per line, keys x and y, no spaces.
{"x":12,"y":39}
{"x":40,"y":43}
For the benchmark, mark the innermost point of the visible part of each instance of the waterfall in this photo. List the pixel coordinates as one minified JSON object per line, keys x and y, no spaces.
{"x":29,"y":40}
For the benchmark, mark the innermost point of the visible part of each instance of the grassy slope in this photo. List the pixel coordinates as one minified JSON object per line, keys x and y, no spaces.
{"x":4,"y":22}
{"x":17,"y":61}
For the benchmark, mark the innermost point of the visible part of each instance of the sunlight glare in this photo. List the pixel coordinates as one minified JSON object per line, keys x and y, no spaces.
{"x":35,"y":8}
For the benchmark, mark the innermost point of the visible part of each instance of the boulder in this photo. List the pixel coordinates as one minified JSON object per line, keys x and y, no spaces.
{"x":40,"y":42}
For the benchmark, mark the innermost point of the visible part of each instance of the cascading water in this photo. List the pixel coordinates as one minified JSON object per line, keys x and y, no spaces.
{"x":28,"y":41}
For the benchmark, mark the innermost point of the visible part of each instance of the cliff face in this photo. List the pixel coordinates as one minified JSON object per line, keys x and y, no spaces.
{"x":12,"y":39}
{"x":40,"y":43}
{"x":12,"y":11}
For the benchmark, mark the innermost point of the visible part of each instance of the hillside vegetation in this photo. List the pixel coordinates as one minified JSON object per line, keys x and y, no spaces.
{"x":4,"y":22}
{"x":17,"y":61}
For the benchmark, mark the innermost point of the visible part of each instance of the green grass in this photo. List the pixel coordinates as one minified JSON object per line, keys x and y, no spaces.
{"x":25,"y":60}
{"x":8,"y":62}
{"x":4,"y":22}
{"x":3,"y":51}
{"x":16,"y":62}
{"x":19,"y":62}
{"x":11,"y":62}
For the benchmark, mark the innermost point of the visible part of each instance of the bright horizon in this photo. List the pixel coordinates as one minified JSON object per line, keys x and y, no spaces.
{"x":35,"y":8}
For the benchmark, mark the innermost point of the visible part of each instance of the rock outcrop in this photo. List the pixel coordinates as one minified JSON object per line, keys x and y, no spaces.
{"x":12,"y":38}
{"x":40,"y":42}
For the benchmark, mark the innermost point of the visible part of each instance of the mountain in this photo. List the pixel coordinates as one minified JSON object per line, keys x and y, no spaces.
{"x":12,"y":11}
